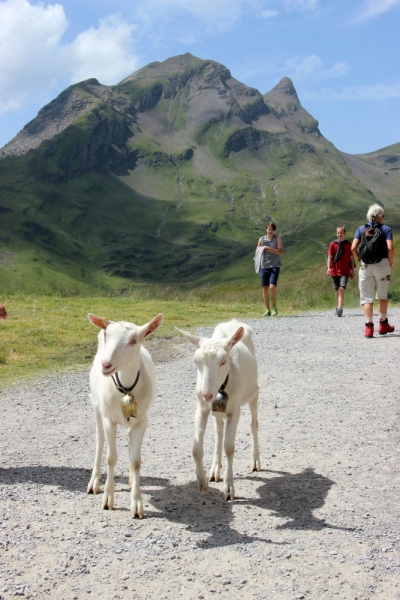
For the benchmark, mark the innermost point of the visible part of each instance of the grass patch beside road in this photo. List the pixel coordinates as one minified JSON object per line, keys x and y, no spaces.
{"x":48,"y":334}
{"x":45,"y":334}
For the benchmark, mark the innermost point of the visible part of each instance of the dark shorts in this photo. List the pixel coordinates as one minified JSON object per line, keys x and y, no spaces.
{"x":269,"y":276}
{"x":340,"y":281}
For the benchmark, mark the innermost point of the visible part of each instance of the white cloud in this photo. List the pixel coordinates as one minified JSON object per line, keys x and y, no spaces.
{"x":307,"y":67}
{"x":33,"y":60}
{"x":338,"y":69}
{"x":374,"y":8}
{"x":30,"y":35}
{"x":268,"y":14}
{"x":216,"y":15}
{"x":302,"y":4}
{"x":379,"y":91}
{"x":104,"y":53}
{"x":311,"y":67}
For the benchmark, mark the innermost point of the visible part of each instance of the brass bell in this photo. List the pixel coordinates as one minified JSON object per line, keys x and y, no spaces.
{"x":220,"y":403}
{"x":129,"y":406}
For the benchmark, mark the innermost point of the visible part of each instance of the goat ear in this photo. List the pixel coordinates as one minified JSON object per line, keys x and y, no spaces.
{"x":101,"y":322}
{"x":237,"y":336}
{"x":147,"y":329}
{"x":193,"y":339}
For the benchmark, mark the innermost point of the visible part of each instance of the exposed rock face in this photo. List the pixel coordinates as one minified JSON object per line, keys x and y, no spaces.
{"x":97,"y":121}
{"x":168,"y":177}
{"x":285,"y":104}
{"x":52,"y":119}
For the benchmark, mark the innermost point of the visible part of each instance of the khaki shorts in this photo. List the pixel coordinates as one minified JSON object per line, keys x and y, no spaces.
{"x":371,"y":276}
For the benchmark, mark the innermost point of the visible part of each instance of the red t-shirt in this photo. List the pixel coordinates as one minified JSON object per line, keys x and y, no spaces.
{"x":344,"y":265}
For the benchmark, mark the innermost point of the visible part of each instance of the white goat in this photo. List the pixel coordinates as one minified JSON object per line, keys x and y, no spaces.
{"x":226,"y":380}
{"x":122,"y":382}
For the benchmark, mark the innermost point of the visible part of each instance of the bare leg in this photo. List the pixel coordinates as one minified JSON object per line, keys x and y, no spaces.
{"x":340,"y":301}
{"x":266,"y":297}
{"x":368,"y":311}
{"x":255,"y":456}
{"x":273,"y":294}
{"x":337,"y":297}
{"x":136,"y":435}
{"x":94,"y":483}
{"x":111,"y":436}
{"x":217,"y":462}
{"x":383,"y":306}
{"x":230,"y":434}
{"x":200,"y":424}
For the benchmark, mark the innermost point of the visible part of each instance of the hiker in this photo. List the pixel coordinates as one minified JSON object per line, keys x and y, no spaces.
{"x":3,"y":312}
{"x":373,"y":247}
{"x":340,"y":266}
{"x":270,"y":263}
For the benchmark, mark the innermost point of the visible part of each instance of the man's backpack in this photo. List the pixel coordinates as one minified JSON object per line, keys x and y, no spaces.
{"x":373,"y":247}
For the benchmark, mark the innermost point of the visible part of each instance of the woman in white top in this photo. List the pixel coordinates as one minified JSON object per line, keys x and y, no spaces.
{"x":271,"y":263}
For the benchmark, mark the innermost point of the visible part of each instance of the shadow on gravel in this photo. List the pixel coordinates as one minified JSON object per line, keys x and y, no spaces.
{"x":67,"y":478}
{"x":358,"y":315}
{"x":203,"y":513}
{"x":295,"y":496}
{"x":287,"y":495}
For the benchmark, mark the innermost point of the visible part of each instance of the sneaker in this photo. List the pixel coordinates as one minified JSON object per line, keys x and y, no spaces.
{"x":384,"y":327}
{"x":369,"y":330}
{"x":339,"y":312}
{"x":274,"y":311}
{"x":267,"y":313}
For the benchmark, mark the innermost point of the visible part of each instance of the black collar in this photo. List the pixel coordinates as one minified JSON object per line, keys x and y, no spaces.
{"x":119,"y":385}
{"x":223,"y":386}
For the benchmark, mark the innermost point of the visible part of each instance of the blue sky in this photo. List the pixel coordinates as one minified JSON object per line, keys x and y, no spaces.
{"x":341,"y":55}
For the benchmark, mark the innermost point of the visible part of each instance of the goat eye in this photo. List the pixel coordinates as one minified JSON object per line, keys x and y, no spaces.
{"x":132,"y":342}
{"x":223,"y":363}
{"x":105,"y":335}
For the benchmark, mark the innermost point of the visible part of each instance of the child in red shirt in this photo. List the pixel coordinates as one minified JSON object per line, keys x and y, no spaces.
{"x":340,"y":266}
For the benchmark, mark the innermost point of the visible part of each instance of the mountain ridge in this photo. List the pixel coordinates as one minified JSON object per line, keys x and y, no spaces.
{"x":170,"y":176}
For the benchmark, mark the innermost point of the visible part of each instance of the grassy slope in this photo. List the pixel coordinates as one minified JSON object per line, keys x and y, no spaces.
{"x":172,"y":219}
{"x":380,"y":172}
{"x":45,"y":334}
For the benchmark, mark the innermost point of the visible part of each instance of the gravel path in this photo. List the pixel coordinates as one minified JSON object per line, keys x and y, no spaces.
{"x":319,"y":521}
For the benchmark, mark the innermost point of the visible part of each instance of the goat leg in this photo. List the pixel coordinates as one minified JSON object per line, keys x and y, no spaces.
{"x":94,"y":483}
{"x":201,"y":418}
{"x":215,"y":473}
{"x":136,"y":435}
{"x":230,"y":434}
{"x":255,"y":452}
{"x":109,"y":487}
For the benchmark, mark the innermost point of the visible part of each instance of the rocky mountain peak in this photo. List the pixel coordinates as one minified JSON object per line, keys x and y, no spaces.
{"x":285,"y":86}
{"x":179,"y":68}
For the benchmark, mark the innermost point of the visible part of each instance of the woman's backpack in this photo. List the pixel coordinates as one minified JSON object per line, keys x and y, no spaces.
{"x":373,"y":247}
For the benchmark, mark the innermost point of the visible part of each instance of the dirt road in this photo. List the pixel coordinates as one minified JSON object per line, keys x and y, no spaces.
{"x":319,"y":521}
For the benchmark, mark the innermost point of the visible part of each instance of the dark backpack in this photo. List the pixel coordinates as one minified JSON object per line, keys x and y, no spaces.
{"x":373,"y":247}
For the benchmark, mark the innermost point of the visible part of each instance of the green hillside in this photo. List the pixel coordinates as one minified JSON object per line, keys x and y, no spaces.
{"x":169,"y":177}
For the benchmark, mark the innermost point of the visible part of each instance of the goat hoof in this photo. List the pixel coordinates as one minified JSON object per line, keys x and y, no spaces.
{"x":108,"y":502}
{"x":137,"y":508}
{"x":229,"y":493}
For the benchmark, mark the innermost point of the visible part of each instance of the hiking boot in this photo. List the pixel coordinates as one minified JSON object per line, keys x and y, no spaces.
{"x":339,"y":312}
{"x":369,"y":330}
{"x":267,"y":313}
{"x":274,"y":311}
{"x":384,"y":327}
